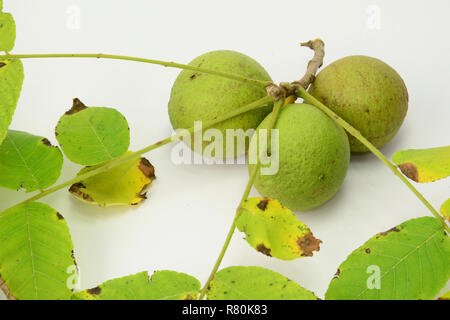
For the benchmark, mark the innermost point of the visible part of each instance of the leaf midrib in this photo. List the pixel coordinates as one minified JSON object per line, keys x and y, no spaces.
{"x":403,"y":259}
{"x":24,"y":162}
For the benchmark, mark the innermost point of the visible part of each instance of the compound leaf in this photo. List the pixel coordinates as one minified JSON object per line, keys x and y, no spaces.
{"x":28,"y":161}
{"x":274,"y":230}
{"x":163,"y":285}
{"x":125,"y":184}
{"x":255,"y":283}
{"x":445,"y":210}
{"x":11,"y":79}
{"x":90,"y":136}
{"x":7,"y":30}
{"x":36,"y":252}
{"x":424,"y":165}
{"x":409,"y":262}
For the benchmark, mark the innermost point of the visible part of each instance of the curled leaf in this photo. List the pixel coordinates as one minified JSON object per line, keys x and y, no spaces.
{"x":163,"y":285}
{"x":255,"y":283}
{"x":124,"y":184}
{"x":11,"y":79}
{"x":36,"y":253}
{"x":90,"y":136}
{"x":28,"y":161}
{"x":424,"y":165}
{"x":274,"y":230}
{"x":407,"y":262}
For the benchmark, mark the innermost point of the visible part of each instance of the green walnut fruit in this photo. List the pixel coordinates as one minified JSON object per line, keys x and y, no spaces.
{"x":314,"y":155}
{"x":367,"y":93}
{"x":198,"y":96}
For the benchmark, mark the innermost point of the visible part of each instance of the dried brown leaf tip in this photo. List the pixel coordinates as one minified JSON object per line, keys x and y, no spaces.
{"x":147,"y":168}
{"x":75,"y":189}
{"x":59,"y":216}
{"x":308,"y":243}
{"x":46,"y":142}
{"x":410,"y":170}
{"x":263,"y":249}
{"x":77,"y":106}
{"x":337,"y":274}
{"x":94,"y":291}
{"x":2,"y":64}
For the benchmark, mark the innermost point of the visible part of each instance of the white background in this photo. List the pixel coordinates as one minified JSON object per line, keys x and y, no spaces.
{"x":183,"y":223}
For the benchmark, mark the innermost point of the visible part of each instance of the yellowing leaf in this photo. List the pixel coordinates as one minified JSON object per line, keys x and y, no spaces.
{"x":124,"y":184}
{"x":163,"y":285}
{"x":274,"y":230}
{"x":424,"y":165}
{"x":445,"y":210}
{"x":255,"y":283}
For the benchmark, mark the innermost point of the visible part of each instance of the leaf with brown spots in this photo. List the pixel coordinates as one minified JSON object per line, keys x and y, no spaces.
{"x":424,"y":165}
{"x":408,"y":262}
{"x":125,"y":184}
{"x":35,"y":253}
{"x":274,"y":230}
{"x":29,"y":162}
{"x":92,"y":135}
{"x":163,"y":285}
{"x":255,"y":283}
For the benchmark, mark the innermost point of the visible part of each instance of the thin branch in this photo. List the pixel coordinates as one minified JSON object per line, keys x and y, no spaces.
{"x":302,"y":93}
{"x":117,"y":162}
{"x":273,"y":118}
{"x":228,"y":75}
{"x":314,"y":64}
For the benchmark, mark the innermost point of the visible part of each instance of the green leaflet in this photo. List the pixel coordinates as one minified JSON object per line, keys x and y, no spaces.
{"x":90,"y":136}
{"x":28,"y":161}
{"x":445,"y":210}
{"x":410,"y":261}
{"x":424,"y":165}
{"x":7,"y":30}
{"x":123,"y":185}
{"x":255,"y":283}
{"x":274,"y":230}
{"x":11,"y":79}
{"x":163,"y":285}
{"x":36,"y":253}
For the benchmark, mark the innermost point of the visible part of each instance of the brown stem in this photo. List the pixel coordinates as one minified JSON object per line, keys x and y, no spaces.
{"x":314,"y":64}
{"x":5,"y":289}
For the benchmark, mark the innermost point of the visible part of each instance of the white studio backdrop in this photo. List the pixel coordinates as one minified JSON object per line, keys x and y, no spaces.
{"x":183,"y":224}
